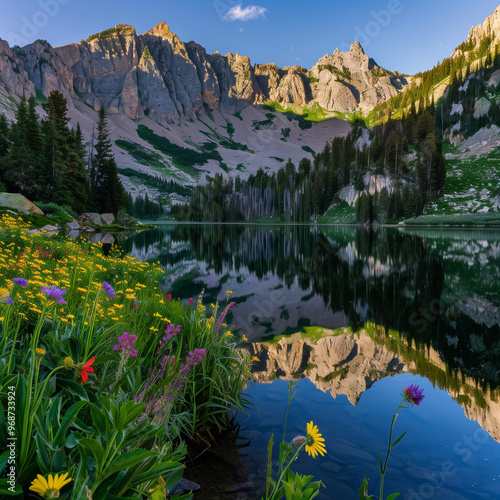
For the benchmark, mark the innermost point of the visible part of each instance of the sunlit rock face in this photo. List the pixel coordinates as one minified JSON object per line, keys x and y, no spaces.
{"x":157,"y":75}
{"x":342,"y":362}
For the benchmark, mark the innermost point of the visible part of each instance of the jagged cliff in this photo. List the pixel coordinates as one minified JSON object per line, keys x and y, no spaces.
{"x":489,"y":29}
{"x":157,"y":75}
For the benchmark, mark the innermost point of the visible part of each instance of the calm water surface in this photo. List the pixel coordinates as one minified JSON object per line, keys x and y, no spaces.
{"x":355,"y":316}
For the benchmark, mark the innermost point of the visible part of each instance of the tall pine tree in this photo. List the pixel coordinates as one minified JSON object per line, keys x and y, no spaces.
{"x":106,"y":193}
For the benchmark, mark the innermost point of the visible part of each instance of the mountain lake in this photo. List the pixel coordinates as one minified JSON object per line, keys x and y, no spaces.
{"x":353,"y":316}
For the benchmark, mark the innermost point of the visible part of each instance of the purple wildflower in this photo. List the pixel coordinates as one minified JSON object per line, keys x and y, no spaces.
{"x":170,"y":333}
{"x":126,"y":344}
{"x":9,"y":301}
{"x":172,"y":360}
{"x":223,"y":316}
{"x":195,"y":357}
{"x":109,"y":290}
{"x":413,"y":394}
{"x":20,"y":282}
{"x":54,"y":294}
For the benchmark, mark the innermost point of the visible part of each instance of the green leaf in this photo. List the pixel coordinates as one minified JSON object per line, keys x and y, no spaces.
{"x":129,"y":459}
{"x":398,"y":439}
{"x":98,"y":419}
{"x":42,"y":456}
{"x":363,"y":489}
{"x":289,"y":491}
{"x":5,"y":485}
{"x":54,"y":412}
{"x":170,"y":471}
{"x":380,"y":462}
{"x":80,"y":478}
{"x":68,"y":419}
{"x":96,"y":449}
{"x":74,"y":388}
{"x":3,"y":460}
{"x":393,"y":496}
{"x":269,"y":464}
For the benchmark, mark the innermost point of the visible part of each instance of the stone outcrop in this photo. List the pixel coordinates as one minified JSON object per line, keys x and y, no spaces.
{"x":19,"y":202}
{"x":373,"y":183}
{"x":14,"y":80}
{"x":351,"y":81}
{"x":108,"y":218}
{"x":481,"y":107}
{"x":489,"y":28}
{"x":158,"y":75}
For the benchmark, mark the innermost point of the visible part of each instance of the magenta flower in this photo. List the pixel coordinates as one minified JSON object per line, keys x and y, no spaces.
{"x":191,"y":301}
{"x":126,"y":344}
{"x":20,"y":282}
{"x":169,"y":297}
{"x":170,"y":333}
{"x":223,"y":315}
{"x":413,"y":394}
{"x":195,"y":357}
{"x":109,"y":290}
{"x":54,"y":294}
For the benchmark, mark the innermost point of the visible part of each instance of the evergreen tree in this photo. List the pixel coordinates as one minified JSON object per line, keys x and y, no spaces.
{"x":4,"y":136}
{"x":106,"y":191}
{"x":76,"y":171}
{"x":17,"y":164}
{"x":53,"y":177}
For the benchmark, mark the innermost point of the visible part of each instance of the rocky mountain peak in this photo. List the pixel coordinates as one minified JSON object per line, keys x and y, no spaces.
{"x":161,"y":30}
{"x":490,"y":28}
{"x":119,"y":29}
{"x":356,"y":48}
{"x":158,"y":75}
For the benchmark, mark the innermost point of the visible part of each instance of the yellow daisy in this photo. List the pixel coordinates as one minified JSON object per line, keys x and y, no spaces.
{"x":49,"y":488}
{"x":314,"y":444}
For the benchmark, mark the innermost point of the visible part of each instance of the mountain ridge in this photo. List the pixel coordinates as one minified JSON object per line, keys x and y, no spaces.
{"x":105,"y":70}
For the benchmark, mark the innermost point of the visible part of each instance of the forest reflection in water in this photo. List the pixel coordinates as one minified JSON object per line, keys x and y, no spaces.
{"x":352,"y":310}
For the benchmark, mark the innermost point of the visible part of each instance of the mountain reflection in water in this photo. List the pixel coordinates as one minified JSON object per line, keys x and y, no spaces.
{"x":354,"y":311}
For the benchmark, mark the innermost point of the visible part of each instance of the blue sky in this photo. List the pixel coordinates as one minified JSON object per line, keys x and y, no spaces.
{"x":403,"y":35}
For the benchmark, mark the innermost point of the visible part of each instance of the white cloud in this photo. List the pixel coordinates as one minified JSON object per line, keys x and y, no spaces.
{"x":241,"y":30}
{"x":236,"y":13}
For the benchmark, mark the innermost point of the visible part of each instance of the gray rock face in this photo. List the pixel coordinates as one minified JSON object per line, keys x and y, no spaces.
{"x":171,"y":80}
{"x":489,"y":28}
{"x":19,"y":202}
{"x":373,"y":183}
{"x":73,"y":225}
{"x":108,"y":218}
{"x":289,"y":85}
{"x":350,"y":81}
{"x":14,"y":80}
{"x":481,"y":107}
{"x":46,"y":69}
{"x":94,"y":217}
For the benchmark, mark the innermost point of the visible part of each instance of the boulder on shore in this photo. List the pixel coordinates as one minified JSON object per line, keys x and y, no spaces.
{"x":94,"y":217}
{"x":108,"y":218}
{"x":19,"y":202}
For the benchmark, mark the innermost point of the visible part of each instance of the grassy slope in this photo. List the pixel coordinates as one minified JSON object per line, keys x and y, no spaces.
{"x":472,"y":184}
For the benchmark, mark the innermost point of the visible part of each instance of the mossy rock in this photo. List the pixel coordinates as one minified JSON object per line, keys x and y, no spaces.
{"x":19,"y":202}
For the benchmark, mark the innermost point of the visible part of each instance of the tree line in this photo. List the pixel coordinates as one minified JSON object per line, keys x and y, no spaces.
{"x":46,"y":160}
{"x":408,"y":151}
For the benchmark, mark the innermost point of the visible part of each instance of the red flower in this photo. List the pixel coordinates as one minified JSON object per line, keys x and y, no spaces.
{"x":84,"y":373}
